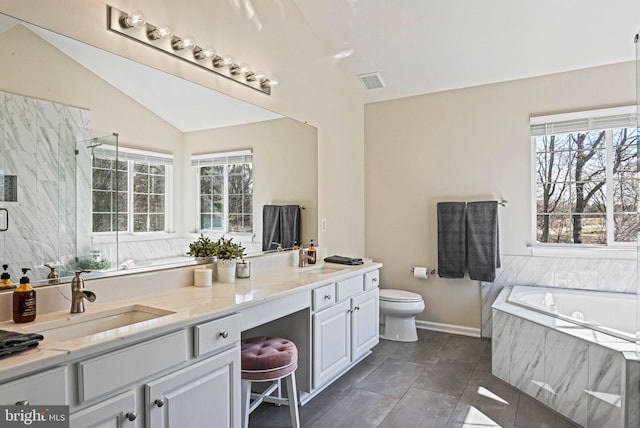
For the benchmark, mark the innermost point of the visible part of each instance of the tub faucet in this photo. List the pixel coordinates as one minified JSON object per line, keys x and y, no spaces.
{"x":78,"y":293}
{"x":304,"y":258}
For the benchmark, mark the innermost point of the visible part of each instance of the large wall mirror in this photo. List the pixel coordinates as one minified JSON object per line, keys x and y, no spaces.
{"x":70,"y":114}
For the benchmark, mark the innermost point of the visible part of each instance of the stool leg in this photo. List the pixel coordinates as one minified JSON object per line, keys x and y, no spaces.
{"x":245,"y":402}
{"x":293,"y":399}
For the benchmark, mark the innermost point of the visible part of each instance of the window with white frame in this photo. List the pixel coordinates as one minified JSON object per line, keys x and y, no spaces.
{"x":585,"y":167}
{"x":225,"y":191}
{"x":131,"y":190}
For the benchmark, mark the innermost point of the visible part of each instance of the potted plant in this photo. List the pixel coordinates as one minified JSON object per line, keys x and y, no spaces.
{"x":226,"y":253}
{"x":203,"y":249}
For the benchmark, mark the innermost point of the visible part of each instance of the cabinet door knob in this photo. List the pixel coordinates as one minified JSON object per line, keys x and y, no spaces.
{"x":224,"y":334}
{"x":374,"y":279}
{"x":159,"y":402}
{"x":350,"y":311}
{"x":22,"y":403}
{"x":357,"y":308}
{"x":131,"y":416}
{"x":327,"y":297}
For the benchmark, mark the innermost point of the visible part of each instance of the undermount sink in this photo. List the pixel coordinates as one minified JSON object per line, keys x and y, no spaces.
{"x":323,"y":270}
{"x":111,"y":322}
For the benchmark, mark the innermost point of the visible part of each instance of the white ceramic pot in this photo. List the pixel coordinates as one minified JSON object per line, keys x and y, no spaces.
{"x":226,"y":270}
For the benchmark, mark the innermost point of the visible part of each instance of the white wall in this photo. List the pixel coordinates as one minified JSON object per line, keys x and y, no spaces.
{"x":311,"y":89}
{"x":463,"y":145}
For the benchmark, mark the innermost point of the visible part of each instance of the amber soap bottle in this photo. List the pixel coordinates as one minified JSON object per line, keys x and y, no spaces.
{"x":5,"y":279}
{"x":311,"y":252}
{"x":24,"y":300}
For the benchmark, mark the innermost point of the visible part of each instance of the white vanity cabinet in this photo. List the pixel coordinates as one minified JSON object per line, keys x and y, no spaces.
{"x":136,"y":387}
{"x":344,"y":331}
{"x":48,"y":387}
{"x":201,"y":395}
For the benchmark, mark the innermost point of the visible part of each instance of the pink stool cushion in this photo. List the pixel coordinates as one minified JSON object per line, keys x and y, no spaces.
{"x":267,"y":358}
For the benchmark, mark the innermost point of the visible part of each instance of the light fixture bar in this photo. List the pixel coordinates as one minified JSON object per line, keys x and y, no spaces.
{"x":133,"y":26}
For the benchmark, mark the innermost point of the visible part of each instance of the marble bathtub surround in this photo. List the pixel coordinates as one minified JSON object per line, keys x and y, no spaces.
{"x":582,"y":374}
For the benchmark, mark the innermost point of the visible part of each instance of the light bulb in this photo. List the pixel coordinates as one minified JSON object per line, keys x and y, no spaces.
{"x":228,"y":60}
{"x":259,"y":76}
{"x":203,"y":53}
{"x":133,"y":19}
{"x":244,"y":68}
{"x":161,"y":32}
{"x":188,"y":42}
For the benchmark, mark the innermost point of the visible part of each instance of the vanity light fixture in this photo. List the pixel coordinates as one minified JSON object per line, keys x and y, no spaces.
{"x":134,"y":26}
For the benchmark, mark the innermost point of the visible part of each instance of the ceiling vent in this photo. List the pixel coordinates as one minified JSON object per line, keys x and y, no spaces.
{"x":371,"y":80}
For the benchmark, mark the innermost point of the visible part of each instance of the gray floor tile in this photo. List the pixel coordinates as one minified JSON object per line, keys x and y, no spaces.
{"x":445,"y":376}
{"x":483,"y":407}
{"x":392,"y":378}
{"x":532,"y":414}
{"x":420,"y":408}
{"x":427,"y":349}
{"x":349,"y":380}
{"x":359,"y":409}
{"x":271,"y":416}
{"x":382,"y":351}
{"x":464,"y":348}
{"x":488,"y":381}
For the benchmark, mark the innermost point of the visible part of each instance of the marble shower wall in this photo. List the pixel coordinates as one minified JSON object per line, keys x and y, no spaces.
{"x":583,"y":273}
{"x":38,"y":141}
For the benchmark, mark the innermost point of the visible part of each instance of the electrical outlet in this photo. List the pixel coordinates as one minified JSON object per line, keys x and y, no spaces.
{"x":323,"y":224}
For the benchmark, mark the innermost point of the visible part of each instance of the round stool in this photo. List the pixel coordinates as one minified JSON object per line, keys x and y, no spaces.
{"x":269,"y":359}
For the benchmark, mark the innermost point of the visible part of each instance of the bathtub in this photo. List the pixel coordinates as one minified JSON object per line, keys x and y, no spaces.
{"x":572,"y":350}
{"x":607,"y":312}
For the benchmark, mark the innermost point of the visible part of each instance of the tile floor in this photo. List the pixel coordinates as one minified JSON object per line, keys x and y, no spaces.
{"x":441,"y":381}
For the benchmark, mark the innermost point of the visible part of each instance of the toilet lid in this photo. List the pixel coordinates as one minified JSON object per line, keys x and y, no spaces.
{"x":390,"y":295}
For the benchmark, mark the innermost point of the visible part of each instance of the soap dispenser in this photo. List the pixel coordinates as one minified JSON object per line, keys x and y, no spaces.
{"x":24,"y":300}
{"x":311,"y":253}
{"x":5,"y":279}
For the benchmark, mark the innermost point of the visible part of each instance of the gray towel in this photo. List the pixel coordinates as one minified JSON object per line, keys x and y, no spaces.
{"x":289,"y":225}
{"x":451,"y":239}
{"x":483,"y":247}
{"x":270,"y":226}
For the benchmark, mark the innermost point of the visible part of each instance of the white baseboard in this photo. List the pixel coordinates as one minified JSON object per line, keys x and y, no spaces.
{"x":448,"y":328}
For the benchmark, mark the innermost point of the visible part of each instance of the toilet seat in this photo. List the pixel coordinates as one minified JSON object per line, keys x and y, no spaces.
{"x":390,"y":295}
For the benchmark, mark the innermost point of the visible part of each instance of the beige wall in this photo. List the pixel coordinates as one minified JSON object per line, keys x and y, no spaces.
{"x":285,"y":167}
{"x":463,"y":145}
{"x":311,"y":88}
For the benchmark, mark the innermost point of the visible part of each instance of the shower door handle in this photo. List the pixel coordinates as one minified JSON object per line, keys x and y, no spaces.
{"x":4,"y":224}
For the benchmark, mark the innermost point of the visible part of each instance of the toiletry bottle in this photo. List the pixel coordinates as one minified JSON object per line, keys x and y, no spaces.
{"x":24,"y":300}
{"x":5,"y":280}
{"x":311,"y":252}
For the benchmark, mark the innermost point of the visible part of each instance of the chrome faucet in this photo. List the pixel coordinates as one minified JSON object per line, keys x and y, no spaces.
{"x":78,"y":293}
{"x":304,"y":258}
{"x":279,"y":246}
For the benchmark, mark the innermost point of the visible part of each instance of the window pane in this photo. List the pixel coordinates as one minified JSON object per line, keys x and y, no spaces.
{"x":554,"y":229}
{"x":123,"y":181}
{"x":102,"y":179}
{"x":625,"y":195}
{"x":140,"y":222}
{"x":140,"y":183}
{"x":590,"y":229}
{"x":123,"y":222}
{"x":205,"y":221}
{"x":206,"y":187}
{"x":140,"y":203}
{"x":101,"y":202}
{"x":218,"y":204}
{"x":235,"y":204}
{"x":216,"y":221}
{"x":141,"y":167}
{"x":626,"y":227}
{"x":157,"y":184}
{"x":157,"y":169}
{"x":156,"y":204}
{"x":102,"y":222}
{"x":206,"y":204}
{"x":156,"y":222}
{"x":123,"y":202}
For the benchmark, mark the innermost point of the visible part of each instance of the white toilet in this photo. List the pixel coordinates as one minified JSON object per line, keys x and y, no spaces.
{"x":398,"y":310}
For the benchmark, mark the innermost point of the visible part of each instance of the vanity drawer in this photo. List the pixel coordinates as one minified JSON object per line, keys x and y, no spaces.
{"x":371,"y":279}
{"x":107,"y":372}
{"x":324,"y":296}
{"x":48,"y":387}
{"x":348,"y":287}
{"x":216,"y":334}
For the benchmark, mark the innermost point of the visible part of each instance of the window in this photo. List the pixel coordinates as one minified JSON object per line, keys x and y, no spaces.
{"x":225,"y":191}
{"x":130,"y":192}
{"x":585,"y":177}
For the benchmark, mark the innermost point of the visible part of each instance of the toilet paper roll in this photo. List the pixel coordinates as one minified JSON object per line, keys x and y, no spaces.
{"x":203,"y":277}
{"x":420,"y":272}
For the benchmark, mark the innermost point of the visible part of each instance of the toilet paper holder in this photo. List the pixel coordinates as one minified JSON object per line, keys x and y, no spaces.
{"x":429,"y":271}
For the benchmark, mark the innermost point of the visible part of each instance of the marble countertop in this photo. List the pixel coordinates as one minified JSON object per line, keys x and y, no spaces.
{"x":188,"y":305}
